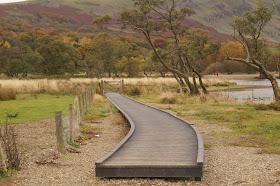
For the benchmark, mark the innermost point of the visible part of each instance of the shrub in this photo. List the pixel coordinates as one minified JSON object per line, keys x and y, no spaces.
{"x":168,"y":100}
{"x":135,"y":91}
{"x":275,"y":105}
{"x":261,"y":107}
{"x":9,"y":138}
{"x":272,"y":106}
{"x":7,"y":94}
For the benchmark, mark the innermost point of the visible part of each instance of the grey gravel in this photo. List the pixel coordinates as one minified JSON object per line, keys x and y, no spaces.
{"x":224,"y":164}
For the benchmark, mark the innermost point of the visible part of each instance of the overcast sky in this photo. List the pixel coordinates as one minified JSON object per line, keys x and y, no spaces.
{"x":10,"y":1}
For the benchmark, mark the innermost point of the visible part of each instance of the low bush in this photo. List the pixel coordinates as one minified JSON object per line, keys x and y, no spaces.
{"x":7,"y":94}
{"x":275,"y":105}
{"x":134,"y":91}
{"x":168,"y":100}
{"x":261,"y":107}
{"x":272,"y":106}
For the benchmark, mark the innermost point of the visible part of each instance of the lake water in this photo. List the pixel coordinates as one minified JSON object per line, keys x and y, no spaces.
{"x":10,"y":1}
{"x":262,"y":95}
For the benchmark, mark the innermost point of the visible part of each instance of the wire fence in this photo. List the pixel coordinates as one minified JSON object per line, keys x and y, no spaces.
{"x":67,"y":122}
{"x":66,"y":126}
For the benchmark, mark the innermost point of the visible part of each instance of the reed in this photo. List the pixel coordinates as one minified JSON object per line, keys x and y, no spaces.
{"x":79,"y":84}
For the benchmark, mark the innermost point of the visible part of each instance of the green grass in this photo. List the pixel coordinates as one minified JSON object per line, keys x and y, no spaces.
{"x":36,"y":106}
{"x":274,"y":51}
{"x":101,"y":108}
{"x":261,"y":128}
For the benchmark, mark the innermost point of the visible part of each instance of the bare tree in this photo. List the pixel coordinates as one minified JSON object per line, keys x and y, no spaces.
{"x":247,"y":30}
{"x":165,"y":18}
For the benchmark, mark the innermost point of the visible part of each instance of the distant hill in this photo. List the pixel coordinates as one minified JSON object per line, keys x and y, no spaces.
{"x":213,"y":15}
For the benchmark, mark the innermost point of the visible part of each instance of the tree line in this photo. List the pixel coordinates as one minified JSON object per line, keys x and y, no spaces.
{"x":169,"y":46}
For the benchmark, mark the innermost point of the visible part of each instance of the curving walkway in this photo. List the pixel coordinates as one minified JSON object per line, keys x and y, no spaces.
{"x":159,"y":144}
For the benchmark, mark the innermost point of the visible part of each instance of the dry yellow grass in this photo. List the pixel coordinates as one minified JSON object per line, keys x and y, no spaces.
{"x":77,"y":84}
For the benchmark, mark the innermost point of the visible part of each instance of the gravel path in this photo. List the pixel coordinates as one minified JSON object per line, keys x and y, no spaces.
{"x":224,"y":164}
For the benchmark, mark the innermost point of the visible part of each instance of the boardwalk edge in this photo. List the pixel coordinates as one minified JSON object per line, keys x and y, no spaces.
{"x":200,"y":152}
{"x":124,"y":140}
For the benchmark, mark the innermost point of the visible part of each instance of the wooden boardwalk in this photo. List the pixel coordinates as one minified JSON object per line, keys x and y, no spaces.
{"x":159,"y":144}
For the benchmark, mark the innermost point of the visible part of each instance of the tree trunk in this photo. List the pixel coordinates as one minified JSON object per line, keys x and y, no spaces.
{"x":195,"y":84}
{"x":190,"y":85}
{"x":276,"y":89}
{"x":183,"y":87}
{"x":145,"y":73}
{"x":202,"y":84}
{"x":278,"y":67}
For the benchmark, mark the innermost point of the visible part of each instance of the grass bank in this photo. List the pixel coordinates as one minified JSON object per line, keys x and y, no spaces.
{"x":250,"y":126}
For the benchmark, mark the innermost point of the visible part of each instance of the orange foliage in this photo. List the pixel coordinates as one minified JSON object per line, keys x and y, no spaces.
{"x":38,"y":33}
{"x":160,"y":42}
{"x":53,"y":33}
{"x":234,"y":49}
{"x":86,"y":49}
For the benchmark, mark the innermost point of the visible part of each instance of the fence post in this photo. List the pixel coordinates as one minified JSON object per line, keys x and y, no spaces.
{"x":59,"y":132}
{"x":80,"y":107}
{"x":84,"y":103}
{"x":71,"y":120}
{"x":228,"y":90}
{"x":76,"y":111}
{"x":122,"y":86}
{"x":102,"y":87}
{"x":3,"y":166}
{"x":0,"y":86}
{"x":86,"y":100}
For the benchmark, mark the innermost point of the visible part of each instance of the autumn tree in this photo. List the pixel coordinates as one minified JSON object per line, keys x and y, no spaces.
{"x":58,"y":57}
{"x":196,"y":48}
{"x":248,"y":31}
{"x":17,"y":59}
{"x":164,"y":17}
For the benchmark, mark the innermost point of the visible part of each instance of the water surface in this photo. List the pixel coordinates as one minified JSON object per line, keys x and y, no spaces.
{"x":261,"y":95}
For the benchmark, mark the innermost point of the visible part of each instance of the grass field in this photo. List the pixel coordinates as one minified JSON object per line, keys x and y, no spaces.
{"x":254,"y":128}
{"x":35,"y":106}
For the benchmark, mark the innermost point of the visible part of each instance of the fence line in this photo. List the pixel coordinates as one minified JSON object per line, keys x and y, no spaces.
{"x":66,"y":126}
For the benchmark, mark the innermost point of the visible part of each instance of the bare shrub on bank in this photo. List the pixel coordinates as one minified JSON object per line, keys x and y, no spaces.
{"x":9,"y":138}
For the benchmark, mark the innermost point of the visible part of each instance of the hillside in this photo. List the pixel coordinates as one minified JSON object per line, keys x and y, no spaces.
{"x":213,"y":15}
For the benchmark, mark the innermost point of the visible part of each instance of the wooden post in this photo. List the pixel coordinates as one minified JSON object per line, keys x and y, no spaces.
{"x":80,"y":107}
{"x":84,"y":103}
{"x":22,"y":88}
{"x":122,"y":86}
{"x":3,"y":166}
{"x":0,"y":86}
{"x":102,"y":87}
{"x":253,"y":94}
{"x":228,"y":90}
{"x":76,"y":111}
{"x":71,"y":120}
{"x":59,"y":133}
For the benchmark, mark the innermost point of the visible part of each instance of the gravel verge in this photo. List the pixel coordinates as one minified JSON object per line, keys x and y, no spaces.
{"x":224,"y":164}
